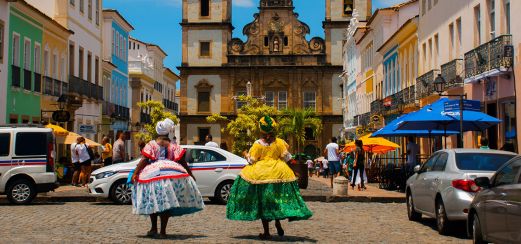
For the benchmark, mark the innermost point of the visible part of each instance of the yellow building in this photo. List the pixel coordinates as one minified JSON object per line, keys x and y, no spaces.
{"x":54,"y":65}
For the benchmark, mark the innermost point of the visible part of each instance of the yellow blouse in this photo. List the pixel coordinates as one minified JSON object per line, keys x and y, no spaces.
{"x":268,"y":165}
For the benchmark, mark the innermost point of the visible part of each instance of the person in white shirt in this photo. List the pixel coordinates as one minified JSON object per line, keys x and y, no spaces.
{"x":333,"y":156}
{"x":210,"y":143}
{"x":325,"y":166}
{"x":311,"y":166}
{"x":85,"y":160}
{"x":75,"y":164}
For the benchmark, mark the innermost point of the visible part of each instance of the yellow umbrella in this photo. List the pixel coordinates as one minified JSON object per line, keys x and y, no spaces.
{"x":57,"y":130}
{"x":71,"y":138}
{"x":373,"y":144}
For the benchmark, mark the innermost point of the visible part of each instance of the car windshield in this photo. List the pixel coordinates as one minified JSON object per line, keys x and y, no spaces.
{"x":481,"y":161}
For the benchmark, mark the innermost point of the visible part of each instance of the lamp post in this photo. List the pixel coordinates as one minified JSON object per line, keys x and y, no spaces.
{"x":439,"y":85}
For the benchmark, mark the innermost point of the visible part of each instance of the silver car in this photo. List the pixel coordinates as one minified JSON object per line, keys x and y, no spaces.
{"x":443,"y":187}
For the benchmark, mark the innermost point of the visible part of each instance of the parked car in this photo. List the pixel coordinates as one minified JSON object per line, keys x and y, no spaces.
{"x":495,"y":212}
{"x":214,"y":169}
{"x":443,"y":187}
{"x":26,"y":162}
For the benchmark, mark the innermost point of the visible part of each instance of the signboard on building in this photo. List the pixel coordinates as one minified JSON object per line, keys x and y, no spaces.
{"x":87,"y":129}
{"x":468,"y":105}
{"x":388,"y":101}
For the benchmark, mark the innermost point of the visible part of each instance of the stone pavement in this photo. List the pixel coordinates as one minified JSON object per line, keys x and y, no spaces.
{"x":338,"y":222}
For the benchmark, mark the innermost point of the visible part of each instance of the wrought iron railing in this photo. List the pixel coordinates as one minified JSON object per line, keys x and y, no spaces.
{"x":121,"y":112}
{"x":409,"y":95}
{"x":27,"y":80}
{"x":85,"y":88}
{"x":145,"y":118}
{"x":47,"y":85}
{"x":425,"y":84}
{"x":37,"y":82}
{"x":452,"y":72}
{"x":376,"y":106}
{"x":57,"y":85}
{"x":488,"y":56}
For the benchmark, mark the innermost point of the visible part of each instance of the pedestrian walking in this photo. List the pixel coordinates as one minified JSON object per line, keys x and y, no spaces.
{"x":333,"y":157}
{"x":267,"y":188}
{"x":75,"y":163}
{"x":413,"y":150}
{"x":210,"y":142}
{"x":359,"y":166}
{"x":118,"y":151}
{"x":163,"y":183}
{"x":325,"y":168}
{"x":106,"y":154}
{"x":311,"y":166}
{"x":318,"y":167}
{"x":85,"y":159}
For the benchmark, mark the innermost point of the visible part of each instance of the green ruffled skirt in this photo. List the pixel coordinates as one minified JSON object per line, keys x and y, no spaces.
{"x":277,"y":201}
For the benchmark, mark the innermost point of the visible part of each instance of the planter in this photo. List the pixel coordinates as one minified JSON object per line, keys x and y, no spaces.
{"x":301,"y":171}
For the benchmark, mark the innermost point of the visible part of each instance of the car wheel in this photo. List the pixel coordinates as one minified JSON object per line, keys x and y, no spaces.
{"x":121,"y":192}
{"x":411,"y":212}
{"x":477,"y":236}
{"x":222,"y":192}
{"x":21,"y":191}
{"x":442,"y":221}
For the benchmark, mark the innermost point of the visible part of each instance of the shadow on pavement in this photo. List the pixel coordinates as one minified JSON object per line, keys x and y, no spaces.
{"x":457,"y":228}
{"x":174,"y":237}
{"x":275,"y":238}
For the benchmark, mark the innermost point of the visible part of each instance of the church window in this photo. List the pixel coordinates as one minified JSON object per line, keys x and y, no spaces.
{"x":283,"y":100}
{"x":204,"y":49}
{"x":270,"y":98}
{"x":203,"y":101}
{"x":310,"y":100}
{"x":266,"y":41}
{"x":205,"y":8}
{"x":348,"y":7}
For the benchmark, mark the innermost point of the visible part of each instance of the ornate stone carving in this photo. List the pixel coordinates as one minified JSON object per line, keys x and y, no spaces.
{"x":236,"y":46}
{"x":203,"y":85}
{"x":276,"y":24}
{"x":317,"y":45}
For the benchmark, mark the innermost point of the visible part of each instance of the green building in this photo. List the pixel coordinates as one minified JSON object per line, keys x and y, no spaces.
{"x":24,"y":66}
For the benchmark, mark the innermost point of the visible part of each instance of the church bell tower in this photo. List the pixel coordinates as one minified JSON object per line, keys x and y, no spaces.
{"x":338,"y":15}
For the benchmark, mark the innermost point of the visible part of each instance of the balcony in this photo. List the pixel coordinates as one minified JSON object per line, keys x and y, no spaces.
{"x":27,"y":80}
{"x":37,"y":82}
{"x":409,"y":95}
{"x":376,"y":106}
{"x":121,"y":112}
{"x":47,"y":85}
{"x":15,"y":76}
{"x":491,"y":56}
{"x":85,"y":88}
{"x":107,"y":108}
{"x":57,"y":88}
{"x":140,"y":68}
{"x":170,"y":105}
{"x":452,"y":72}
{"x":145,"y":118}
{"x":425,"y":84}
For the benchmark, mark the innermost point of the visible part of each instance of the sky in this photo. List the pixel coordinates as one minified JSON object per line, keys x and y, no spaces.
{"x":157,"y":21}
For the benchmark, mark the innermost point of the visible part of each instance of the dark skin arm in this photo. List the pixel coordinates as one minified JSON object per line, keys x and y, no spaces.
{"x":141,"y":165}
{"x":183,"y":163}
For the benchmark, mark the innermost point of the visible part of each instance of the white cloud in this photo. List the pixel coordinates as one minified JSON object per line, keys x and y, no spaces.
{"x":243,"y":3}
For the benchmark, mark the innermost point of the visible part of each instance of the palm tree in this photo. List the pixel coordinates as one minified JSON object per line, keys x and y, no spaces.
{"x":293,"y":124}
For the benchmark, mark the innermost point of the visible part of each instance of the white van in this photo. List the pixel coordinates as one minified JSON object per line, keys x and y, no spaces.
{"x":26,"y":162}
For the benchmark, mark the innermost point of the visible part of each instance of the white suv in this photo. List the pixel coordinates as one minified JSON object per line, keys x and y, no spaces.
{"x":214,"y":170}
{"x":26,"y":162}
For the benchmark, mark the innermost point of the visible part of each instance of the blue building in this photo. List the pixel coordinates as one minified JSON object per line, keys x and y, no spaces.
{"x":116,"y":110}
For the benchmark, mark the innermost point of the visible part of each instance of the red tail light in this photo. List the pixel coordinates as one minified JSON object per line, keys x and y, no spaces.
{"x":50,"y":159}
{"x":466,"y":185}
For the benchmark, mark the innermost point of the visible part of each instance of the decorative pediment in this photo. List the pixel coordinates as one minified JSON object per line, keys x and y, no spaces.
{"x":310,"y":83}
{"x":203,"y":85}
{"x":276,"y":83}
{"x":240,"y":83}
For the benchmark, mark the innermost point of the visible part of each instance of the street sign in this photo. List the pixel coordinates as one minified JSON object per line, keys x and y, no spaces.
{"x":468,"y":105}
{"x":87,"y":129}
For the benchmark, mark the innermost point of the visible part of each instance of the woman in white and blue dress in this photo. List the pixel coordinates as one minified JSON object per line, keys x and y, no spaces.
{"x":163,"y":183}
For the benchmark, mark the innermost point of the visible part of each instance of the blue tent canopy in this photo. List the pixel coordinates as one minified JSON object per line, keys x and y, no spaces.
{"x":433,"y":117}
{"x":391,"y":130}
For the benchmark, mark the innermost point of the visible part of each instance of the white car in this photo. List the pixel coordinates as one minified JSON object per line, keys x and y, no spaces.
{"x":214,"y":170}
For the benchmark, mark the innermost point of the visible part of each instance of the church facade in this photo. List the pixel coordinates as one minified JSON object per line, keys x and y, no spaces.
{"x":284,"y":67}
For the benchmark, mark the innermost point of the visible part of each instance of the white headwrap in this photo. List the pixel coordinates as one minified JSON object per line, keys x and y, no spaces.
{"x":163,"y":128}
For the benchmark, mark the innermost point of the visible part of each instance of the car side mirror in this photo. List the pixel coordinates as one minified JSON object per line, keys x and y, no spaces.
{"x":483,"y":182}
{"x":417,"y":169}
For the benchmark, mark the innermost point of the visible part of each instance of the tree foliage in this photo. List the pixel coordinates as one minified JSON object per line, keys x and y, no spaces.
{"x":157,"y":113}
{"x":293,"y":124}
{"x":244,"y":128}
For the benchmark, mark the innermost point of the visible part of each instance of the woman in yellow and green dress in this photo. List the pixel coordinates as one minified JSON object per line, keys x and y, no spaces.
{"x":267,"y":188}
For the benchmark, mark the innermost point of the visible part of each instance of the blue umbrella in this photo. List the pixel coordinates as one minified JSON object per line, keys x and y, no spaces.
{"x":433,"y":117}
{"x":391,"y":130}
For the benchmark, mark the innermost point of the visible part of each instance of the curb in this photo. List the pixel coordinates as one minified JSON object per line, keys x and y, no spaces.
{"x":324,"y":199}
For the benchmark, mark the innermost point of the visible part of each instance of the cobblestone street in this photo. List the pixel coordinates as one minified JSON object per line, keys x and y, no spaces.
{"x":100,"y":222}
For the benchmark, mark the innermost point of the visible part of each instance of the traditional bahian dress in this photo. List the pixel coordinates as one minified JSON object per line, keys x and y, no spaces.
{"x":164,"y":185}
{"x":267,"y":189}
